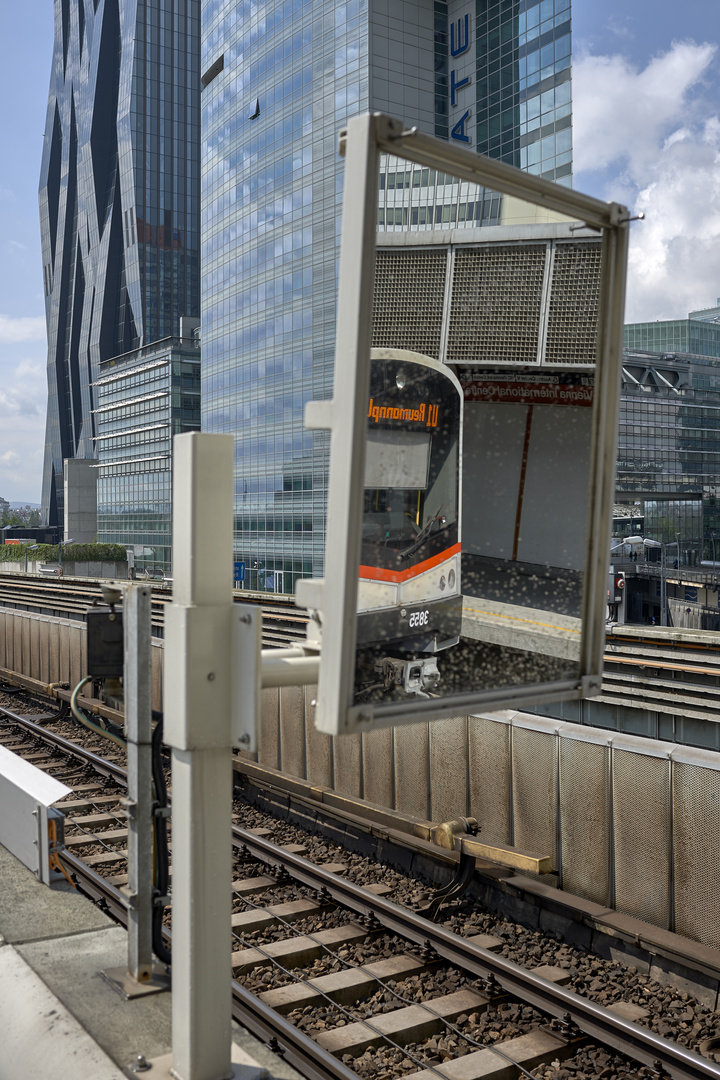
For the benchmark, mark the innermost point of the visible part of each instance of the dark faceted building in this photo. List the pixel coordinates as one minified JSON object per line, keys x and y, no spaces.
{"x":119,"y":202}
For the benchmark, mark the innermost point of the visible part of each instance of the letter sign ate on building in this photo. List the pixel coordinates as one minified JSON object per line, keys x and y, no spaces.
{"x":461,"y":77}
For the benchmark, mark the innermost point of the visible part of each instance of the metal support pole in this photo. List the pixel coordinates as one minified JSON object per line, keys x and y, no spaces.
{"x":138,"y":730}
{"x":198,"y":635}
{"x":663,"y":586}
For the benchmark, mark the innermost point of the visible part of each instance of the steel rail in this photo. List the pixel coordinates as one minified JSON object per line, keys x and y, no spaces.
{"x":106,"y":768}
{"x":298,"y":1049}
{"x":636,"y":1042}
{"x":627,"y":1038}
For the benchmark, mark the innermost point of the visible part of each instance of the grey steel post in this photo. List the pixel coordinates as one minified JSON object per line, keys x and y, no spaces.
{"x":663,"y":586}
{"x":138,"y":725}
{"x":197,"y":705}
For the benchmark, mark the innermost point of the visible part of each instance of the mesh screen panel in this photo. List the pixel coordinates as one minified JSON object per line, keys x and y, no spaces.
{"x":292,"y":730}
{"x":269,"y":750}
{"x":585,"y":819}
{"x":495,"y":306}
{"x":641,"y":813}
{"x":377,"y":750}
{"x":408,"y":300}
{"x":535,"y":792}
{"x":347,"y":764}
{"x":489,"y":750}
{"x":318,"y":745}
{"x":412,"y":769}
{"x":448,"y":769}
{"x":696,"y":843}
{"x":574,"y":304}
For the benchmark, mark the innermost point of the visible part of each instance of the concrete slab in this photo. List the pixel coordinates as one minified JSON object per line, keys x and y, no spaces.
{"x":71,"y":968}
{"x":60,"y":1016}
{"x":30,"y":911}
{"x":40,"y":1036}
{"x":628,"y":1011}
{"x":534,"y":630}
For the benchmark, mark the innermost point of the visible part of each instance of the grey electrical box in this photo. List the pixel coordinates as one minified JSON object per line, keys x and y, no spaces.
{"x":104,"y":642}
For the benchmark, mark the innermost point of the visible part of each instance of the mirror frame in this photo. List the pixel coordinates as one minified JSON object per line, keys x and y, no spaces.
{"x":334,"y":598}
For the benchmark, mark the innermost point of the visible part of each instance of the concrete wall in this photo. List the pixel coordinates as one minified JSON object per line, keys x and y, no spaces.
{"x":80,"y":500}
{"x":50,"y":650}
{"x":630,"y":823}
{"x":71,"y":569}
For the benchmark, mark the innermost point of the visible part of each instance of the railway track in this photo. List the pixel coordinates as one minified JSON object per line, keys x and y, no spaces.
{"x":283,"y":622}
{"x":680,"y":678}
{"x":343,"y":979}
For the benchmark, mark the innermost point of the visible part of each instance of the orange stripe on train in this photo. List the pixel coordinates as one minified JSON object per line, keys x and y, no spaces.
{"x":396,"y":577}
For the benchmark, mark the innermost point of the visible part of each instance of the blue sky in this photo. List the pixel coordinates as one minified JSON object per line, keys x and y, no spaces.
{"x":646,"y":90}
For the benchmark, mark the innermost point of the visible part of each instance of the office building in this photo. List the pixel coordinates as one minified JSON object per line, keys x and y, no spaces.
{"x":143,"y":399}
{"x":698,"y":335}
{"x":278,"y":84}
{"x":668,"y":464}
{"x":119,"y":202}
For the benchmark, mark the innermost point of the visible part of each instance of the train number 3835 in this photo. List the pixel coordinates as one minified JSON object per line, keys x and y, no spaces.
{"x":419,"y":618}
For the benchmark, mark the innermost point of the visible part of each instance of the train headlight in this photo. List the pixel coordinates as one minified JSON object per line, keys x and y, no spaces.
{"x":451,"y":579}
{"x":442,"y":582}
{"x":400,"y":380}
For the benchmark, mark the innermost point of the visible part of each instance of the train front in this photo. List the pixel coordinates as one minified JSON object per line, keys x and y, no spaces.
{"x":409,"y":599}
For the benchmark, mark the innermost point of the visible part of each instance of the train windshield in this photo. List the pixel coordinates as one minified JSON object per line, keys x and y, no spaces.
{"x":411,"y":468}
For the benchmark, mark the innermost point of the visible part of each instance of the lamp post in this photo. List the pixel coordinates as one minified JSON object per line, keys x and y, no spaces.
{"x":61,"y":545}
{"x":663,"y":579}
{"x":33,"y":547}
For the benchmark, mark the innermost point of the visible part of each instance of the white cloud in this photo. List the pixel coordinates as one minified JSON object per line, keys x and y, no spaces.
{"x":24,"y":391}
{"x":23,"y":396}
{"x":22,"y":328}
{"x":622,"y":114}
{"x":648,"y":129}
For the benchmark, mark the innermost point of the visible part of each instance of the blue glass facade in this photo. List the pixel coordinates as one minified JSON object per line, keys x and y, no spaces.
{"x":119,"y":201}
{"x":143,"y":399}
{"x":279,"y":81}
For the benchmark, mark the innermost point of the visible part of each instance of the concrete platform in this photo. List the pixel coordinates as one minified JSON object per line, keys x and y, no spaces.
{"x":531,"y":629}
{"x":61,"y":1018}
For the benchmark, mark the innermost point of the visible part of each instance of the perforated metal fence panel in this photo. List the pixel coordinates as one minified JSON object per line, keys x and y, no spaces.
{"x":448,"y":768}
{"x":574,"y":304}
{"x":412,"y":770}
{"x":408,"y":300}
{"x":377,"y":752}
{"x":347,"y":764}
{"x":292,"y":731}
{"x":534,"y":760}
{"x":696,"y":848}
{"x":495,"y":307}
{"x":489,"y":777}
{"x":269,"y":750}
{"x":585,"y":819}
{"x":318,"y":745}
{"x":641,"y":817}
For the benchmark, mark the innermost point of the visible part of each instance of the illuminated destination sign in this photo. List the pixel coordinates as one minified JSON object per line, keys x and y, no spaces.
{"x":426,"y":414}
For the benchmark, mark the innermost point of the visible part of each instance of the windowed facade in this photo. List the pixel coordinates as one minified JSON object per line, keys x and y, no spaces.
{"x":278,"y":84}
{"x":523,"y":85}
{"x":669,"y":447}
{"x":698,"y":335}
{"x":119,"y":202}
{"x":143,"y":399}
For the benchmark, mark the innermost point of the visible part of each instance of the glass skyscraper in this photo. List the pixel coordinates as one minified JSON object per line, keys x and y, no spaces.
{"x":119,"y":202}
{"x":279,"y":80}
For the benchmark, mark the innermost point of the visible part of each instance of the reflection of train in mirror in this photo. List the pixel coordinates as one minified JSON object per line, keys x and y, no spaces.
{"x":409,"y":599}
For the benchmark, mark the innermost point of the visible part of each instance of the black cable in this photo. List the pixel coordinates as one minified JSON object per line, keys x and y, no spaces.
{"x":162,"y":854}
